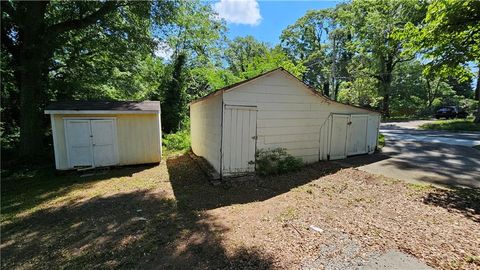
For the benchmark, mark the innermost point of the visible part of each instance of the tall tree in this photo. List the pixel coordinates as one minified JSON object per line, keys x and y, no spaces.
{"x":372,"y":25}
{"x":317,"y":41}
{"x":191,"y":45}
{"x":449,"y":38}
{"x":174,"y":97}
{"x":33,"y":31}
{"x":305,"y":43}
{"x":241,"y":51}
{"x":273,"y":58}
{"x":195,"y":31}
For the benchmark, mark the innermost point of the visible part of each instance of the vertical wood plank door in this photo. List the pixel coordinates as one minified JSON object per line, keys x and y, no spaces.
{"x":79,"y":146}
{"x":357,"y":135}
{"x":338,"y":137}
{"x":372,"y":133}
{"x":103,"y":142}
{"x":239,"y":140}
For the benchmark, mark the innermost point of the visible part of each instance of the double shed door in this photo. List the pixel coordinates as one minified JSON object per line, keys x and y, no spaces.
{"x":91,"y":142}
{"x":352,"y":135}
{"x":239,"y":139}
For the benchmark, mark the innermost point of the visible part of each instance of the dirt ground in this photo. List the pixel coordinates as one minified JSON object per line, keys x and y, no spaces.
{"x":169,"y":217}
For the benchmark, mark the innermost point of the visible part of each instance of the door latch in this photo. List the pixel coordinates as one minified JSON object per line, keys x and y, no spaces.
{"x":254,"y":137}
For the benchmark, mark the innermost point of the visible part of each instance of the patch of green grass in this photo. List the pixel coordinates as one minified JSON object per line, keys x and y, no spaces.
{"x":288,"y":214}
{"x":176,"y":143}
{"x":419,"y":187}
{"x":472,"y":259}
{"x":452,"y":125}
{"x":381,"y":140}
{"x":403,"y":118}
{"x":477,"y":147}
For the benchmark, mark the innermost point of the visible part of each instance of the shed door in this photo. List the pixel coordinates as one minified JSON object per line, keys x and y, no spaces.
{"x":338,"y":141}
{"x":239,"y":139}
{"x":357,"y":135}
{"x":79,"y":146}
{"x":103,"y":142}
{"x":372,"y":133}
{"x":91,"y":142}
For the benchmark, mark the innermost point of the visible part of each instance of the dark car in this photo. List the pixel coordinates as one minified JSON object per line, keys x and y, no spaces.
{"x":450,"y":112}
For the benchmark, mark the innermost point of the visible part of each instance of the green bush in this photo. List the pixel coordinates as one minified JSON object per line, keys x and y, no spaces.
{"x":381,"y":140}
{"x":276,"y":161}
{"x":179,"y":141}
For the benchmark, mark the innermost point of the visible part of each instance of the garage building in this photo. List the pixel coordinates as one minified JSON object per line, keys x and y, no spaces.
{"x":105,"y":133}
{"x":276,"y":110}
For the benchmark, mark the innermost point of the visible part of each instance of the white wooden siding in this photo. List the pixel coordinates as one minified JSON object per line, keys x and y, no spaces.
{"x":206,"y":129}
{"x":289,"y":115}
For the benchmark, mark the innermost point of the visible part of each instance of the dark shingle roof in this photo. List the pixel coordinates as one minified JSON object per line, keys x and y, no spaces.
{"x":104,"y":106}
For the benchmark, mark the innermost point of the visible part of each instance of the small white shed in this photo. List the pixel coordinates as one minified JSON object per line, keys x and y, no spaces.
{"x":105,"y":133}
{"x":276,"y":110}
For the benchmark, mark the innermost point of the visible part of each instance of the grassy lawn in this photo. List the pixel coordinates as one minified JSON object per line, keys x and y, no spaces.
{"x":452,"y":125}
{"x":168,"y":216}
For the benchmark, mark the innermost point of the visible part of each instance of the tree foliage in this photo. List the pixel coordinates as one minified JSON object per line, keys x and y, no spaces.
{"x":403,"y":57}
{"x":241,"y":51}
{"x":317,"y":42}
{"x":44,"y":39}
{"x":449,"y":39}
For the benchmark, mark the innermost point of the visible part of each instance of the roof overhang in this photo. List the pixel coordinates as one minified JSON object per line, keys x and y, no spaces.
{"x":80,"y":112}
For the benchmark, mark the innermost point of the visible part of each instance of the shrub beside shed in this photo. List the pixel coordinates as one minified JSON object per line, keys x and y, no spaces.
{"x":276,"y":110}
{"x":105,"y":133}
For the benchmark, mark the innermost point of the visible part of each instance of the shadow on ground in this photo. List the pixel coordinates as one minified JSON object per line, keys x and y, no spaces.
{"x":145,"y":228}
{"x":462,"y":200}
{"x":192,"y":191}
{"x":435,"y":163}
{"x":45,"y":183}
{"x":452,"y":165}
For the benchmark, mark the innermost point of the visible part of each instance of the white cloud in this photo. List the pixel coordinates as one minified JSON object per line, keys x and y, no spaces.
{"x":239,"y":11}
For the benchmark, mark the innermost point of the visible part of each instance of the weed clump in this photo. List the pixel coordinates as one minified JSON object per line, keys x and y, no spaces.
{"x":276,"y":161}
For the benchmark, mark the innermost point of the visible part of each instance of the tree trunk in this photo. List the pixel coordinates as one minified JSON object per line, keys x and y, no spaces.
{"x":326,"y":89}
{"x":386,"y":82}
{"x":477,"y":96}
{"x":386,"y":105}
{"x":385,"y":79}
{"x":337,"y":86}
{"x":32,"y":79}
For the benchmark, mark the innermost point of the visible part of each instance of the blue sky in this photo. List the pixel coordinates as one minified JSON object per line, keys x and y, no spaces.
{"x":264,"y":20}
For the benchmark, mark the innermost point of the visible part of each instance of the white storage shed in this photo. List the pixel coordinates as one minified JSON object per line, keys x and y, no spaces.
{"x":276,"y":110}
{"x":105,"y":133}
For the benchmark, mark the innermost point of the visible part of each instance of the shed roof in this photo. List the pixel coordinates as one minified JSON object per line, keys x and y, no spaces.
{"x":103,"y":106}
{"x":316,"y":93}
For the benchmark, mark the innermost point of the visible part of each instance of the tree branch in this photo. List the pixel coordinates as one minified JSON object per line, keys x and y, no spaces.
{"x":74,"y":24}
{"x":400,"y":60}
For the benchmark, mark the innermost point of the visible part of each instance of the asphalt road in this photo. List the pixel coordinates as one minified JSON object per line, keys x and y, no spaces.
{"x":420,"y":156}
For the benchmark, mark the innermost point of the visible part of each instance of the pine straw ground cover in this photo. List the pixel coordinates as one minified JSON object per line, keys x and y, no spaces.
{"x":168,"y":216}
